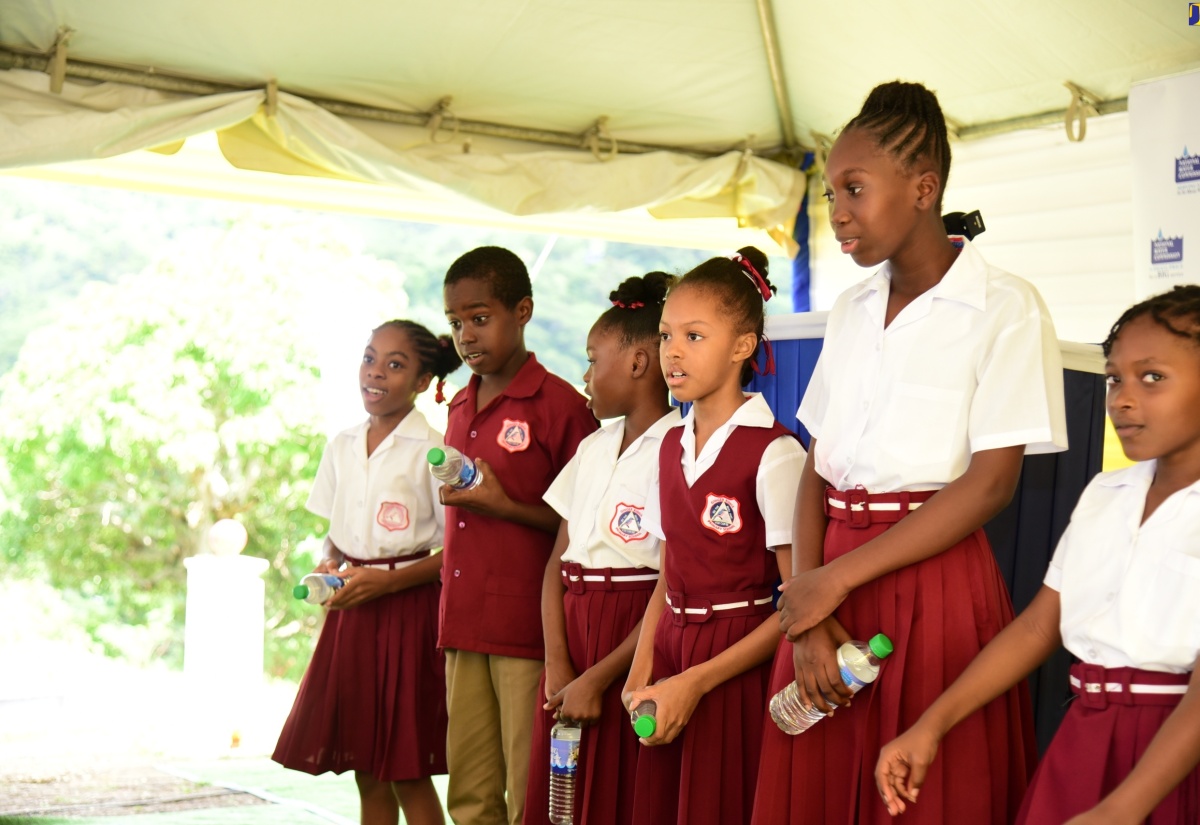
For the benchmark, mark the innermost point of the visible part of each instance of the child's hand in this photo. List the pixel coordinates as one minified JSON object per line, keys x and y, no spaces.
{"x":807,"y":599}
{"x":558,"y":676}
{"x":580,"y":701}
{"x":362,"y":585}
{"x":676,"y":697}
{"x":487,"y":498}
{"x":1092,"y":817}
{"x":327,"y":565}
{"x":902,"y":766}
{"x":818,"y":677}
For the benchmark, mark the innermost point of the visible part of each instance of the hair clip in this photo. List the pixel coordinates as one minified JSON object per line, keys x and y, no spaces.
{"x":769,"y":367}
{"x":749,"y":270}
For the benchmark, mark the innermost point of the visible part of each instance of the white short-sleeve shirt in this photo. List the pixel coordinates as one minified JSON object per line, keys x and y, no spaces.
{"x":776,"y":480}
{"x":1130,"y":592}
{"x":386,"y":505}
{"x":972,"y":364}
{"x":602,"y":495}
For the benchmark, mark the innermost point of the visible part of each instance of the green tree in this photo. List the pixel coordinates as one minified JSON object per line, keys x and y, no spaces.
{"x":157,"y":405}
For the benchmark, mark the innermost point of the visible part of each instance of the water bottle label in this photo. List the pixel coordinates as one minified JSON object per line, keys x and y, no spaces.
{"x":564,"y":756}
{"x":466,"y":476}
{"x":851,"y":680}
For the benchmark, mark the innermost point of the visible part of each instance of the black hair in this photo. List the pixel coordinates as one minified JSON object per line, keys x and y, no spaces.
{"x":502,"y":269}
{"x":435,"y":352}
{"x":637,"y":308}
{"x":735,"y":285}
{"x":1181,"y":304}
{"x":906,"y":121}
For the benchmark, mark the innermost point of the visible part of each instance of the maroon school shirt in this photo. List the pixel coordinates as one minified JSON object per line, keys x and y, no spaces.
{"x":492,"y":569}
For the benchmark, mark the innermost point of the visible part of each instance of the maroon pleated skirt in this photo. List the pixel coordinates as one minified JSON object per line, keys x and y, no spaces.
{"x":706,"y":776}
{"x":598,"y":621}
{"x":374,"y":696}
{"x":939,"y":613}
{"x":1097,"y":745}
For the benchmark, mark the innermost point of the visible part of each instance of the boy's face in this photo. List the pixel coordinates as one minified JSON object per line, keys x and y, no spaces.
{"x":486,"y":332}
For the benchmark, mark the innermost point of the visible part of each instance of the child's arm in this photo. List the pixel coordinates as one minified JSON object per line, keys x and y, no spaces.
{"x":1011,"y":656}
{"x":1173,"y":753}
{"x":677,"y":696}
{"x":641,"y":669}
{"x":581,"y":700}
{"x":489,"y":498}
{"x":331,"y":558}
{"x":961,"y":507}
{"x":369,"y":582}
{"x":559,"y":671}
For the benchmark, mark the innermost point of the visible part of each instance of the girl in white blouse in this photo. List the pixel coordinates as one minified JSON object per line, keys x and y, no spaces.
{"x":1123,"y":595}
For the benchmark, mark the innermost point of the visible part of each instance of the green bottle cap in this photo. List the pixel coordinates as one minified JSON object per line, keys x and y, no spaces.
{"x":644,"y":726}
{"x":436,"y":456}
{"x":881,"y":646}
{"x":300,"y":591}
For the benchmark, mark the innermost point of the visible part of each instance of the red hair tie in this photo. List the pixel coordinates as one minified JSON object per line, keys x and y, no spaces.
{"x":769,"y":368}
{"x":632,"y":305}
{"x":440,"y":395}
{"x":760,"y":283}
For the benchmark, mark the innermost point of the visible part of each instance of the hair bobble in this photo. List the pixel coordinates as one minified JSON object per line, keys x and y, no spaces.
{"x":751,"y":272}
{"x":631,"y":305}
{"x":769,"y":367}
{"x":440,"y":395}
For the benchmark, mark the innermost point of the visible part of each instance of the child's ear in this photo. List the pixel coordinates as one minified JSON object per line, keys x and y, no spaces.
{"x":641,"y":362}
{"x":423,"y":382}
{"x":929,"y":186}
{"x":524,"y":310}
{"x":743,"y":346}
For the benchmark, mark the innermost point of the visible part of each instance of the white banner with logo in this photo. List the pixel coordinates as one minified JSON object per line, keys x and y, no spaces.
{"x":1164,"y":127}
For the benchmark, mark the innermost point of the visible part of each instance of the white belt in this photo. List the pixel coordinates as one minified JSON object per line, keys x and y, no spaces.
{"x":727,"y":606}
{"x":645,"y":577}
{"x":1117,"y":687}
{"x":881,"y":506}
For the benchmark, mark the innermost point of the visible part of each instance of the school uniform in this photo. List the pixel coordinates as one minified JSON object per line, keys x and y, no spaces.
{"x":491,"y":623}
{"x":972,"y":364}
{"x":1130,"y":598}
{"x":374,"y":697}
{"x":609,"y":571}
{"x":719,"y":511}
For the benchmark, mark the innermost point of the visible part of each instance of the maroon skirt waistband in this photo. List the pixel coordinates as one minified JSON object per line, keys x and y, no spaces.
{"x":389,"y":563}
{"x":859,"y":508}
{"x":1098,"y":687}
{"x":577,"y":578}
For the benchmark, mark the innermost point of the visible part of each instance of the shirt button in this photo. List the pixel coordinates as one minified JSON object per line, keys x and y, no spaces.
{"x":457,"y":573}
{"x":473,"y":433}
{"x":462,"y":525}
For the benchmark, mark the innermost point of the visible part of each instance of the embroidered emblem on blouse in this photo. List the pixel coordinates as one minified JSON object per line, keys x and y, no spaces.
{"x":393,"y":515}
{"x":722,"y":514}
{"x":514,"y":435}
{"x":626,"y":523}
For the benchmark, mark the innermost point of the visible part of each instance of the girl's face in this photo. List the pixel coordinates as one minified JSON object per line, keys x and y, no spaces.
{"x":486,"y":333}
{"x":390,"y":376}
{"x":872,"y":201}
{"x":701,"y":351}
{"x":609,"y":377}
{"x":1154,"y":392}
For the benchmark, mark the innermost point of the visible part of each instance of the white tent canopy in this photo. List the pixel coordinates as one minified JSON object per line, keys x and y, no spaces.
{"x":686,"y":110}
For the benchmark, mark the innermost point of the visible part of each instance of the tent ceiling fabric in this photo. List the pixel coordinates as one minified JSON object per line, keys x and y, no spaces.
{"x":690,"y":74}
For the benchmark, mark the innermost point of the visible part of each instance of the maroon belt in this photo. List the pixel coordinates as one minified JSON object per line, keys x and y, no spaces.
{"x":1098,"y":687}
{"x":577,"y":578}
{"x":693,"y":608}
{"x":861,"y":509}
{"x":390,"y":564}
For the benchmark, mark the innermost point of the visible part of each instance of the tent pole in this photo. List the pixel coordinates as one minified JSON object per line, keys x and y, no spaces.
{"x":1016,"y":124}
{"x":766,"y":21}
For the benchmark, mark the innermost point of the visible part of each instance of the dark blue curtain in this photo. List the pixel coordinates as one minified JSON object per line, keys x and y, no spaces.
{"x":801,"y":273}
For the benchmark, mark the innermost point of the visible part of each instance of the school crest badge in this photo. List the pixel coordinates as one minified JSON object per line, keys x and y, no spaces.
{"x":626,"y":523}
{"x":393,"y":515}
{"x":722,"y":514}
{"x":514,"y":435}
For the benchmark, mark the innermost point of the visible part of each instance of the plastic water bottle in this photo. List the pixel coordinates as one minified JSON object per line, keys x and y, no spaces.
{"x":318,"y":588}
{"x":642,"y":718}
{"x":564,"y":762}
{"x":451,"y":467}
{"x":859,"y":665}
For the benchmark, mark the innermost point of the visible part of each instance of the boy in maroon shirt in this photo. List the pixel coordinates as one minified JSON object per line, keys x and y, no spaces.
{"x":521,"y":425}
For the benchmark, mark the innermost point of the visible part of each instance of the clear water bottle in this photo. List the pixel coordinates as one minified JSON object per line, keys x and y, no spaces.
{"x":564,"y":762}
{"x":859,"y":664}
{"x":451,"y":467}
{"x":318,"y":588}
{"x":642,"y":718}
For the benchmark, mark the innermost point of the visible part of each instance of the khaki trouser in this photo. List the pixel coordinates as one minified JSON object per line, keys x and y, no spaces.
{"x":491,"y":701}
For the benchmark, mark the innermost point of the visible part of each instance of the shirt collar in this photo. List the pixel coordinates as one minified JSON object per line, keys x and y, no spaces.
{"x":524,"y":384}
{"x":965,"y":281}
{"x":412,"y":426}
{"x":1135,"y":475}
{"x":754,"y":413}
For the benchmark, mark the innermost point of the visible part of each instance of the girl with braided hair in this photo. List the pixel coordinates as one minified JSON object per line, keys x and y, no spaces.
{"x":937,"y":375}
{"x":1123,"y":595}
{"x":373,"y":699}
{"x":605,"y":562}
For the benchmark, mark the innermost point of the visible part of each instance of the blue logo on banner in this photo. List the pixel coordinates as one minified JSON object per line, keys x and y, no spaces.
{"x":1187,"y":167}
{"x":1194,"y":14}
{"x":1165,"y":250}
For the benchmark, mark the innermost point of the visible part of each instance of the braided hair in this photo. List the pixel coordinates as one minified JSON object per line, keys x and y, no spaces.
{"x":502,"y":269}
{"x":741,"y":284}
{"x":1177,"y":311}
{"x":637,"y":308}
{"x":906,"y":121}
{"x":436,"y":353}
